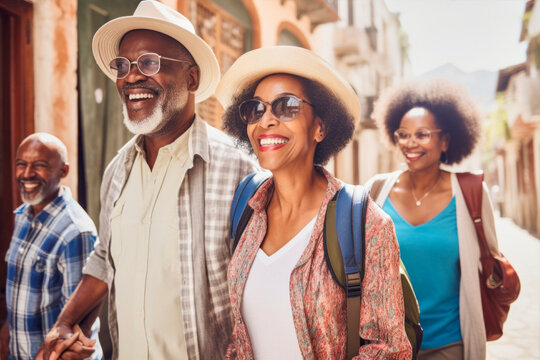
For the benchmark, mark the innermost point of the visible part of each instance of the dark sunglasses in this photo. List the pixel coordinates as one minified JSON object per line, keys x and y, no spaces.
{"x":284,"y":108}
{"x":148,"y":64}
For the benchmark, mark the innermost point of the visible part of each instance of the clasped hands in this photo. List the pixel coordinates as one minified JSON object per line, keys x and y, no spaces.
{"x":66,"y":343}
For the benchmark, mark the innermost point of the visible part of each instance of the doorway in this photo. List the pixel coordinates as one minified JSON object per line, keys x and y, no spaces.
{"x":16,"y":111}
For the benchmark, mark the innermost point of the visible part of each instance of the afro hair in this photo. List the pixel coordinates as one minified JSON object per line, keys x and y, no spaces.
{"x":455,"y":113}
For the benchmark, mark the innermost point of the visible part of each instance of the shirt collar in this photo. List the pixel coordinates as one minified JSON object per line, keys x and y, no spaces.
{"x":197,"y":141}
{"x":50,"y":210}
{"x":175,"y":149}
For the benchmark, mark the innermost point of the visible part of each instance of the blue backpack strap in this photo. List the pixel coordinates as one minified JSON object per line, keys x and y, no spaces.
{"x":351,"y":208}
{"x":245,"y":190}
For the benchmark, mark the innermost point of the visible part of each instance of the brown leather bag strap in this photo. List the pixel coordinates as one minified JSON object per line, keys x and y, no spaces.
{"x":471,"y":187}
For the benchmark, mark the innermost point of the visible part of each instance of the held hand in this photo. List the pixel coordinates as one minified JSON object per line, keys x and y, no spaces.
{"x":62,"y":343}
{"x":56,"y":335}
{"x":81,"y":348}
{"x":39,"y":355}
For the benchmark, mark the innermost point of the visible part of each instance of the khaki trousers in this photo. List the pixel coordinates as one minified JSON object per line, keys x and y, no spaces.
{"x":453,"y":351}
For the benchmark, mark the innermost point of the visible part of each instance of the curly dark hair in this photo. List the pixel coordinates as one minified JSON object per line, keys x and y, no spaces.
{"x":338,"y":123}
{"x":455,"y":113}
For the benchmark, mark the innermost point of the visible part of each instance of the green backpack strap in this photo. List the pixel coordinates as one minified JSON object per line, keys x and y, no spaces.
{"x":412,"y":312}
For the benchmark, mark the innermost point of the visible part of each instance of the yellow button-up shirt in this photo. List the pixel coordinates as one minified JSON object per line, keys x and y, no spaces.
{"x":145,"y":252}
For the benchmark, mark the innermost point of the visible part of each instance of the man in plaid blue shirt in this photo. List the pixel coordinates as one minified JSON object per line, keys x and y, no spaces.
{"x":52,"y":239}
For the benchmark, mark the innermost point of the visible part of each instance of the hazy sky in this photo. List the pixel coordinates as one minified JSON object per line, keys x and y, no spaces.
{"x":471,"y":34}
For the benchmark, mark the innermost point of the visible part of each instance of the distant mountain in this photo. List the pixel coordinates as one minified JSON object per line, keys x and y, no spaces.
{"x":479,"y":84}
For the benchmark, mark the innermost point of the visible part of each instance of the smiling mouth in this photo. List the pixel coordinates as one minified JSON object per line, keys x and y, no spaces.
{"x":272,"y":141}
{"x":142,"y":96}
{"x":29,"y":186}
{"x":139,"y":92}
{"x":413,"y":156}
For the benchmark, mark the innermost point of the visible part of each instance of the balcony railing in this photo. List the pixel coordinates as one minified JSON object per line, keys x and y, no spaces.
{"x":353,"y":43}
{"x":318,"y":11}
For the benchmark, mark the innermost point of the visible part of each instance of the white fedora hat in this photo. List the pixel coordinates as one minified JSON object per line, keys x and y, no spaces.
{"x":153,"y":15}
{"x":293,"y":60}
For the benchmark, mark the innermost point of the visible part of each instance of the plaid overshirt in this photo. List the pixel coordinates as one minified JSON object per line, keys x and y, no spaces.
{"x":44,"y":266}
{"x":203,"y":258}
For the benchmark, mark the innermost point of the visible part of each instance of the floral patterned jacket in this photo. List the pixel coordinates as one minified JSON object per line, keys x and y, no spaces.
{"x":318,"y":303}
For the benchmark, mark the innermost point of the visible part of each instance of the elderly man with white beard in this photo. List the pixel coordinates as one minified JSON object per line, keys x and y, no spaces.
{"x":52,"y":238}
{"x":165,"y":199}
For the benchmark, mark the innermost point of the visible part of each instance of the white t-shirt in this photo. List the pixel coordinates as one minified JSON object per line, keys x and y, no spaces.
{"x":266,"y":304}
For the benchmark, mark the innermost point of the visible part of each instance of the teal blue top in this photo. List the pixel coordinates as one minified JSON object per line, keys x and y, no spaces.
{"x":430,"y":252}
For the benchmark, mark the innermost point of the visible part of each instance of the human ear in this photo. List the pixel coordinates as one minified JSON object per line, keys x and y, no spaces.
{"x":64,"y":170}
{"x":321,"y":131}
{"x":445,"y":142}
{"x":193,"y":78}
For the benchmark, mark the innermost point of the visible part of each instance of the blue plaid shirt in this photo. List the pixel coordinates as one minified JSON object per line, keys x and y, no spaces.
{"x":44,"y":266}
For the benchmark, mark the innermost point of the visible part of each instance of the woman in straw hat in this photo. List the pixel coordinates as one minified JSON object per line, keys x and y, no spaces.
{"x":292,"y":110}
{"x":432,"y":123}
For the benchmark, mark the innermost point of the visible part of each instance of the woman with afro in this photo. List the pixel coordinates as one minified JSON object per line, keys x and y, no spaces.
{"x":434,"y":123}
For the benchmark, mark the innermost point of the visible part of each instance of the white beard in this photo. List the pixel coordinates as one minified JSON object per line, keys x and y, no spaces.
{"x":147,"y":126}
{"x":162,"y":113}
{"x":36,"y":200}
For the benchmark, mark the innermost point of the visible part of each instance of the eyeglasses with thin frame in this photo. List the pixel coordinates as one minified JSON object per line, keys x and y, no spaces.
{"x":421,"y":136}
{"x":284,"y":108}
{"x":148,"y":64}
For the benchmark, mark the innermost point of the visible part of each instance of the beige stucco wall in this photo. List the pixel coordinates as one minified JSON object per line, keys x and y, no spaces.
{"x":537,"y":174}
{"x":55,"y":75}
{"x":272,"y":13}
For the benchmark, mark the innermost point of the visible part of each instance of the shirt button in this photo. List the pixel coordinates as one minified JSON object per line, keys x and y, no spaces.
{"x":21,"y":250}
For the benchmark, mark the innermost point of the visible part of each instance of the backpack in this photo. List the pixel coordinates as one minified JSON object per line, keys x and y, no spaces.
{"x":344,"y":257}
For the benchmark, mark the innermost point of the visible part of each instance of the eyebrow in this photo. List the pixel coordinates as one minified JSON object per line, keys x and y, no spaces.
{"x":420,"y":128}
{"x":45,"y":162}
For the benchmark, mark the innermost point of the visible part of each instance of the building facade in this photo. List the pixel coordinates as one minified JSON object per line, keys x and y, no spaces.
{"x":518,"y":158}
{"x":371,"y":53}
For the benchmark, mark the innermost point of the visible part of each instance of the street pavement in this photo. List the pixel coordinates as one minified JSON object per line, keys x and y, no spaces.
{"x":521,"y":338}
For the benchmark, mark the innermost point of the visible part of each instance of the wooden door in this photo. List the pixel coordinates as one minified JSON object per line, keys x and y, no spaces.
{"x":227,"y":38}
{"x":16,"y":111}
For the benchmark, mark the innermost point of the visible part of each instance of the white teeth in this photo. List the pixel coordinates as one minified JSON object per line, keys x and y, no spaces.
{"x":140,"y":96}
{"x":412,"y":155}
{"x":272,"y":141}
{"x":30,"y":186}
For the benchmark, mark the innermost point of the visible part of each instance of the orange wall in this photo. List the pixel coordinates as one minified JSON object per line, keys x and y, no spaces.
{"x":55,"y":75}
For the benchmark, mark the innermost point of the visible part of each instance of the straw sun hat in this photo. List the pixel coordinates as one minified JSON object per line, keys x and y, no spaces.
{"x":153,"y":15}
{"x":293,"y":60}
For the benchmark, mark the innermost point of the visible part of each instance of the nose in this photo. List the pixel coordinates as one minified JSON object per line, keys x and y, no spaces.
{"x":411,"y":141}
{"x":28,"y":171}
{"x":268,"y":119}
{"x":134,"y":73}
